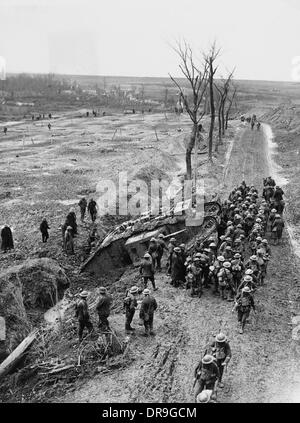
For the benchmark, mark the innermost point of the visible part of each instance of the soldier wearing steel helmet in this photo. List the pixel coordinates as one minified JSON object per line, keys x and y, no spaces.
{"x":243,"y":305}
{"x":82,"y":314}
{"x":177,"y":268}
{"x":130,"y":305}
{"x":147,"y":270}
{"x":206,"y":375}
{"x":221,"y":351}
{"x":103,"y":308}
{"x":148,"y":307}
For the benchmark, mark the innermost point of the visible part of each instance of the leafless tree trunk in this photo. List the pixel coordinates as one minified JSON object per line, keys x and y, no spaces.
{"x":210,"y":59}
{"x":229,"y":106}
{"x":198,"y":81}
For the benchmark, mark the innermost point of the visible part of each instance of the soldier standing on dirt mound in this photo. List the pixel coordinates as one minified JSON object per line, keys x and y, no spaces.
{"x":206,"y":375}
{"x":82,"y":315}
{"x":130,"y":305}
{"x":103,"y":308}
{"x":148,"y":306}
{"x":147,"y":271}
{"x":83,"y":205}
{"x":244,"y":303}
{"x":220,"y":350}
{"x":92,"y":208}
{"x":7,"y":242}
{"x":71,"y":221}
{"x":44,"y":230}
{"x":152,"y":250}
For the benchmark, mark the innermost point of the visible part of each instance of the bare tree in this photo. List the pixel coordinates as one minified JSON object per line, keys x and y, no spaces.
{"x":223,"y":90}
{"x":197,"y":80}
{"x":210,"y":60}
{"x":230,"y":101}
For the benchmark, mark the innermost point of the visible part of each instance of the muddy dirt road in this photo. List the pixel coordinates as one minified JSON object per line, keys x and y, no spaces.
{"x":264,"y":365}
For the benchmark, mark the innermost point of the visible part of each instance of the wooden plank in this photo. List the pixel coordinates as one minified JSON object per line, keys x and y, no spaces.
{"x":10,"y":362}
{"x":2,"y":329}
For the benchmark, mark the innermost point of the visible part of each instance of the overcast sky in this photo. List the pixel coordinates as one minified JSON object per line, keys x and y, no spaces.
{"x":133,"y":37}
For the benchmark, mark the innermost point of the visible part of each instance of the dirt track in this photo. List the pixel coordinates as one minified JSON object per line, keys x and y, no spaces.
{"x":264,"y":363}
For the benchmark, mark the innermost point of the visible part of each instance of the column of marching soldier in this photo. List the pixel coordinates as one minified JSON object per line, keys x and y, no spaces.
{"x":220,"y":262}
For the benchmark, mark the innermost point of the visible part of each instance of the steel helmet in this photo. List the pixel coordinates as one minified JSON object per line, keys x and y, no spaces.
{"x":207,"y":359}
{"x":228,"y":248}
{"x":152,"y":240}
{"x":173,"y":240}
{"x":277,"y":215}
{"x":273,"y":211}
{"x":222,"y":237}
{"x":199,"y":255}
{"x":253,"y":258}
{"x":83,"y":294}
{"x":221,"y":258}
{"x":228,"y":239}
{"x":265,"y":241}
{"x":229,"y":223}
{"x":248,"y":278}
{"x":161,"y":236}
{"x":207,"y":250}
{"x":258,"y":220}
{"x":246,"y":289}
{"x":211,"y":239}
{"x":69,"y":228}
{"x":203,"y":397}
{"x":227,"y":264}
{"x":221,"y":337}
{"x":260,"y":252}
{"x":182,"y":245}
{"x":259,"y":238}
{"x":237,"y":256}
{"x":134,"y":290}
{"x":249,"y":272}
{"x":238,"y":241}
{"x":239,"y":226}
{"x":177,"y":250}
{"x":196,"y":259}
{"x":147,"y":255}
{"x":212,"y":245}
{"x":102,"y":290}
{"x":146,"y":291}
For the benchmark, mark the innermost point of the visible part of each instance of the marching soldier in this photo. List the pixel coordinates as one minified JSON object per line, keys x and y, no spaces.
{"x":220,"y":349}
{"x":206,"y":375}
{"x":103,"y":308}
{"x":243,"y":305}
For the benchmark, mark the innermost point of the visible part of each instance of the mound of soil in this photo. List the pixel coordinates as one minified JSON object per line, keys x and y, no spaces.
{"x":40,"y":281}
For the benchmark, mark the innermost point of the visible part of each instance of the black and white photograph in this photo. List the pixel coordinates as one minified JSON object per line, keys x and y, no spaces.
{"x":149,"y":205}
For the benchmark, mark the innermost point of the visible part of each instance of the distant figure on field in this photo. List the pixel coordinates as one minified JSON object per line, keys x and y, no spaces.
{"x":44,"y":230}
{"x":50,"y":116}
{"x":148,"y":307}
{"x":83,"y":205}
{"x":32,"y":117}
{"x":87,"y":114}
{"x":49,"y":126}
{"x":5,"y":130}
{"x":7,"y":242}
{"x":92,"y":208}
{"x":258,"y":125}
